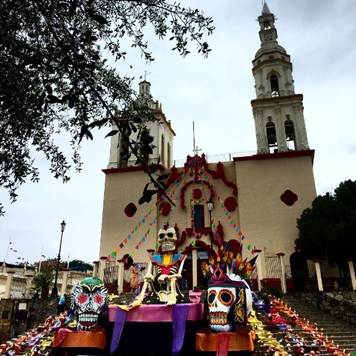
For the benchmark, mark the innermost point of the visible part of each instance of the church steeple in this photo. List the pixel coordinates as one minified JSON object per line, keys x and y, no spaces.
{"x":277,"y":110}
{"x":145,"y":88}
{"x":161,"y":131}
{"x":265,"y":9}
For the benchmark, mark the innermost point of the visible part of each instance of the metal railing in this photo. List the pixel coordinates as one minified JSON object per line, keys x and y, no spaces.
{"x":210,"y":158}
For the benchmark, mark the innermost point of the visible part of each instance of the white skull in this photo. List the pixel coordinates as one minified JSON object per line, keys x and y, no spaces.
{"x":229,"y":305}
{"x":89,"y":299}
{"x":167,"y":238}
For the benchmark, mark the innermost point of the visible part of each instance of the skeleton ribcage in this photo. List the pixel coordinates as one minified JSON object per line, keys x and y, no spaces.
{"x":172,"y":270}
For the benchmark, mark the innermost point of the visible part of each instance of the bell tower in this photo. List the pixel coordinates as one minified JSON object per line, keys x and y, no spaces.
{"x":161,"y":131}
{"x":277,"y":109}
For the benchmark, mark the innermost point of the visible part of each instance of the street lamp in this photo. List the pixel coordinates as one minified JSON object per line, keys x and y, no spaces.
{"x":210,"y":206}
{"x":55,"y":289}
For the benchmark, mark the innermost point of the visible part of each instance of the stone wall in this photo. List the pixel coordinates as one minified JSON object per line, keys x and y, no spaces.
{"x":15,"y":321}
{"x":340,"y":304}
{"x":6,"y":314}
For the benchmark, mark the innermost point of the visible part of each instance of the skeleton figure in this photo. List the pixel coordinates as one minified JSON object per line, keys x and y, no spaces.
{"x":229,"y":301}
{"x":89,"y":299}
{"x":168,"y":265}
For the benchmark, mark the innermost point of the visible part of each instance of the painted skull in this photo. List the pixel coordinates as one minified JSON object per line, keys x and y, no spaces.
{"x":89,"y":299}
{"x":167,"y":238}
{"x":229,"y":303}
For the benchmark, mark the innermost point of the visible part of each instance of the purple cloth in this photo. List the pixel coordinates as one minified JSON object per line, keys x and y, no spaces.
{"x":120,"y":319}
{"x":157,"y":312}
{"x":180,"y":312}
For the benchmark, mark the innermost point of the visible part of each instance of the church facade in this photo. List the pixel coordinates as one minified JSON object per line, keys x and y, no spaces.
{"x":254,"y":199}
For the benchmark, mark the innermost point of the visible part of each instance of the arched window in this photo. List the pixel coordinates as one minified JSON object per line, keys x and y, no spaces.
{"x":168,"y":155}
{"x":266,"y":25}
{"x":145,"y":145}
{"x":163,"y":157}
{"x":124,"y":152}
{"x":199,"y":216}
{"x":271,"y":137}
{"x":274,"y":85}
{"x":290,"y":134}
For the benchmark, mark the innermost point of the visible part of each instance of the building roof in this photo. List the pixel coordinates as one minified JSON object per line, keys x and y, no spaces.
{"x":265,"y":9}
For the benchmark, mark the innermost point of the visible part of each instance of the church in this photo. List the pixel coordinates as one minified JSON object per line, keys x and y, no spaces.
{"x":253,"y":199}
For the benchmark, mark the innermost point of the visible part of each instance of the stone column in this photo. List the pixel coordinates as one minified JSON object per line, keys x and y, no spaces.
{"x":260,"y":127}
{"x":283,"y":272}
{"x":300,"y":130}
{"x":280,"y":131}
{"x":96,"y":269}
{"x":318,"y":275}
{"x":10,"y":277}
{"x":350,"y":262}
{"x":65,"y":273}
{"x":28,"y":285}
{"x":102,"y":265}
{"x":194,"y":267}
{"x":120,"y":276}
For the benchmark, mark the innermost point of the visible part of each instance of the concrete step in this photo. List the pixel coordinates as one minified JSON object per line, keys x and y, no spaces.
{"x":341,"y":334}
{"x":339,"y":331}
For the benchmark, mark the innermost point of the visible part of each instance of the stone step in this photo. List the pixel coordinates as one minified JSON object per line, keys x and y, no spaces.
{"x":339,"y":331}
{"x":341,"y":334}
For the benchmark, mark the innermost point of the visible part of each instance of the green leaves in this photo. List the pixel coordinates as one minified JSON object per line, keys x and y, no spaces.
{"x":327,"y":229}
{"x":98,"y":18}
{"x":112,"y":133}
{"x":53,"y":99}
{"x":147,"y":195}
{"x":55,"y":78}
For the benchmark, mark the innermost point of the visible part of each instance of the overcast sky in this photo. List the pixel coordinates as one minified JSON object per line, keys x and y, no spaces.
{"x":215,"y":93}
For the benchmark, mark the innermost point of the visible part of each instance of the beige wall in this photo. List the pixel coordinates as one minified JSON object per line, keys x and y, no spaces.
{"x":268,"y":222}
{"x":120,"y":190}
{"x":125,"y":187}
{"x":264,"y":219}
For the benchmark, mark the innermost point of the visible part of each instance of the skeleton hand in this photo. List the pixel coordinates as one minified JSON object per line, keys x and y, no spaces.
{"x":149,"y":277}
{"x":176,"y":275}
{"x":163,"y":277}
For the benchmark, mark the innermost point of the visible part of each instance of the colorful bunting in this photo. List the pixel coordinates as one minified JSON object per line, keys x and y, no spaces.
{"x":198,"y":175}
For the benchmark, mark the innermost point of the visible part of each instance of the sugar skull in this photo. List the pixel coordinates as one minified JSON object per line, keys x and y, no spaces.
{"x":229,"y":301}
{"x":89,"y":299}
{"x":167,"y":238}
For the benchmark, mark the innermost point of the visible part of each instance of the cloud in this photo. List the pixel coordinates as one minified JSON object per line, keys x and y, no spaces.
{"x":215,"y":93}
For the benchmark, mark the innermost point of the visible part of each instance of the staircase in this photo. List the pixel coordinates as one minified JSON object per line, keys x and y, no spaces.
{"x":342,"y":333}
{"x":317,"y":331}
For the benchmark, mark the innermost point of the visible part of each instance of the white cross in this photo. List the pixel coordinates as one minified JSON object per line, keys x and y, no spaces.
{"x":196,"y":150}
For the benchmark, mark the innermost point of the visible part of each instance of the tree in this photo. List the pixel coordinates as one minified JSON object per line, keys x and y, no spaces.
{"x":55,"y":77}
{"x":42,"y":281}
{"x":328,"y":228}
{"x":80,"y":263}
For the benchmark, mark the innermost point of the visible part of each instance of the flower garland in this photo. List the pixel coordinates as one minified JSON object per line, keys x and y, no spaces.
{"x":269,"y":343}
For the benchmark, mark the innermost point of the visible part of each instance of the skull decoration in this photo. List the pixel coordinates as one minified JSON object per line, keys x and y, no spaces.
{"x":167,"y":238}
{"x":229,"y":301}
{"x":89,"y":299}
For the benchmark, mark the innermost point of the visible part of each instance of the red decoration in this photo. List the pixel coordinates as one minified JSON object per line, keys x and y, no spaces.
{"x":190,"y":183}
{"x":194,"y":167}
{"x":289,"y":198}
{"x":165,"y":208}
{"x":130,"y":210}
{"x":230,"y":203}
{"x":199,"y":232}
{"x":197,"y":193}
